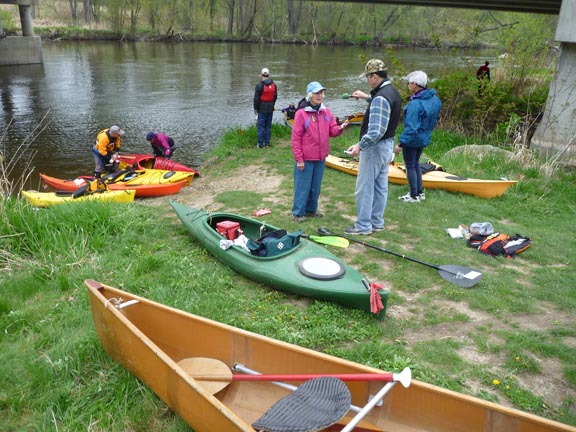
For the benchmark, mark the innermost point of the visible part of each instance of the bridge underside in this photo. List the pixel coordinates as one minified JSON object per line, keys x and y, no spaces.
{"x":532,"y":6}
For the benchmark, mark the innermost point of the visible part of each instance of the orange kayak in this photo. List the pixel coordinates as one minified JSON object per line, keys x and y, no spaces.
{"x":142,"y":190}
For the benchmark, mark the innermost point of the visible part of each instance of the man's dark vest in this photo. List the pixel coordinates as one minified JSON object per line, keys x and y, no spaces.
{"x":393,"y":98}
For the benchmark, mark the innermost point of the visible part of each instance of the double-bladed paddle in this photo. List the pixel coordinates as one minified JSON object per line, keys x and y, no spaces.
{"x":464,"y":277}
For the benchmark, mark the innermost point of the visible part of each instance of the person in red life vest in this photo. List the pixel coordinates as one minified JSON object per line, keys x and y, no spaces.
{"x":314,"y":125}
{"x":265,"y":96}
{"x":162,"y":144}
{"x":483,"y":75}
{"x":105,"y":151}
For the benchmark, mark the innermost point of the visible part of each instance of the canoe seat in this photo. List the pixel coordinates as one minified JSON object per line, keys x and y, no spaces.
{"x":315,"y":405}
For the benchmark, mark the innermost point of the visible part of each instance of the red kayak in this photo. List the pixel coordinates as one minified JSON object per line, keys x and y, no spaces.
{"x":142,"y":190}
{"x":147,"y":161}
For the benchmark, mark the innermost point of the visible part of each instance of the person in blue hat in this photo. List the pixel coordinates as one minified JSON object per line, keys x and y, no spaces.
{"x":162,"y":144}
{"x":313,"y":126}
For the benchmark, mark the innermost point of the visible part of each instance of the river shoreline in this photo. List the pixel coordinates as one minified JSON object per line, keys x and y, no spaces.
{"x":74,"y":33}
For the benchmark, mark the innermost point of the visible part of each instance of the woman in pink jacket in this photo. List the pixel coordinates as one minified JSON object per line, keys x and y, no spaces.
{"x":162,"y":144}
{"x":314,"y":124}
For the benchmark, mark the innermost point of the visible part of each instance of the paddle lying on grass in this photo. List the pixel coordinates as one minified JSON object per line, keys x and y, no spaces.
{"x":464,"y":277}
{"x":329,"y":240}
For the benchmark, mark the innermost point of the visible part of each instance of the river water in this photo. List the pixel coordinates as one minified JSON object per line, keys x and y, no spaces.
{"x":192,"y":91}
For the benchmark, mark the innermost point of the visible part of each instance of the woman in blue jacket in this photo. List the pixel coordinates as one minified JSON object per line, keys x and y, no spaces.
{"x":420,"y":117}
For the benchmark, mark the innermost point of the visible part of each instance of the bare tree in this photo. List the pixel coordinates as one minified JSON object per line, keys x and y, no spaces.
{"x":73,"y":10}
{"x":294,"y":12}
{"x":231,"y":10}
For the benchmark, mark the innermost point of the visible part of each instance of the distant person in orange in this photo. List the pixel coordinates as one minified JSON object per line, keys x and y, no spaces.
{"x":483,"y":75}
{"x":105,"y":151}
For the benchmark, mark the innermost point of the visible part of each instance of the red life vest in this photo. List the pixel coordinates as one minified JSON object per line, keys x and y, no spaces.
{"x":268,"y":93}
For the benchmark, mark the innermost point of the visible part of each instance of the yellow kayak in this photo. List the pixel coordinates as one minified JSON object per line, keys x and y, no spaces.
{"x":431,"y":180}
{"x":150,"y":176}
{"x":47,"y":199}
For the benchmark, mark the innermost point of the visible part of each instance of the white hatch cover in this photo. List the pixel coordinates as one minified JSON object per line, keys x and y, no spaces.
{"x":321,"y":268}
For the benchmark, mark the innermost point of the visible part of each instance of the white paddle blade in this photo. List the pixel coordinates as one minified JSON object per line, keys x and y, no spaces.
{"x":464,"y":277}
{"x":404,"y":377}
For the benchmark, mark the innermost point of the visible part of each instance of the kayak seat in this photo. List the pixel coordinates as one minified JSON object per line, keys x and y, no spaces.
{"x":315,"y":405}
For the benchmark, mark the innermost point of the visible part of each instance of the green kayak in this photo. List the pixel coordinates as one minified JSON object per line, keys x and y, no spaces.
{"x":306,"y":269}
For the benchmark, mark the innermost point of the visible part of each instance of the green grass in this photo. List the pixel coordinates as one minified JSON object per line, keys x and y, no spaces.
{"x":517,"y":321}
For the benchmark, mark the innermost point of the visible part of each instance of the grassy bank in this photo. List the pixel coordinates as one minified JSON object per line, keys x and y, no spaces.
{"x":511,"y":339}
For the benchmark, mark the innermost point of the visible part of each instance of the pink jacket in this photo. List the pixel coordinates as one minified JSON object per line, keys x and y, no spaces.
{"x":311,"y":133}
{"x":161,"y":141}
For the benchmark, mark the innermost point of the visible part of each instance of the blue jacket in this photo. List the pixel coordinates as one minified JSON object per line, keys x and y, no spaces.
{"x":420,"y":117}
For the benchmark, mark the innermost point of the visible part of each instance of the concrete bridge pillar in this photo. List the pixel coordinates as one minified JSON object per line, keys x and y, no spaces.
{"x":26,"y":20}
{"x":556,"y":133}
{"x":25,"y":49}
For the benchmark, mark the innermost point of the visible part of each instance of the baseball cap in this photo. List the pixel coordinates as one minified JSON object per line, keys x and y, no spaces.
{"x":265,"y":72}
{"x":314,"y":87}
{"x":372,"y":66}
{"x":116,"y":130}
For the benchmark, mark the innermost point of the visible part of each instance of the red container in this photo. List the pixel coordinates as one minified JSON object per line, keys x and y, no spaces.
{"x":229,"y":229}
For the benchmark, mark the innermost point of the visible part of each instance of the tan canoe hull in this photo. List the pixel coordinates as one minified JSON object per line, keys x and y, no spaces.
{"x":149,"y":339}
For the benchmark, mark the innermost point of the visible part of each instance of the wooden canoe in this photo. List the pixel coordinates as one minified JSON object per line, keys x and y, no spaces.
{"x":47,"y":199}
{"x":291,"y":271}
{"x":147,"y":161}
{"x":432,"y":179}
{"x":142,"y":190}
{"x":151,"y":341}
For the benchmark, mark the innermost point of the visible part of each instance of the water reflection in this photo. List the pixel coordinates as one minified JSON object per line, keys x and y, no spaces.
{"x":192,"y":91}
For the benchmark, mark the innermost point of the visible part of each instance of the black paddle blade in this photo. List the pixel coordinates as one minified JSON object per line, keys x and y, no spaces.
{"x":464,"y":277}
{"x":325,"y":231}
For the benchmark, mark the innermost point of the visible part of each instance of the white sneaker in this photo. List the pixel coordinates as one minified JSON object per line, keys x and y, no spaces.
{"x":410,"y":199}
{"x":404,"y":197}
{"x":422,"y":196}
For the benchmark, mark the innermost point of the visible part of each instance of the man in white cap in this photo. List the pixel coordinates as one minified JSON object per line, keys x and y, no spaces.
{"x":375,"y":148}
{"x":265,"y":96}
{"x":106,"y":149}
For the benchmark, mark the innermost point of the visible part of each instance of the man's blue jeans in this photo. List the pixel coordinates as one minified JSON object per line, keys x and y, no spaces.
{"x":372,"y":185}
{"x":264,"y":128}
{"x":307,"y":184}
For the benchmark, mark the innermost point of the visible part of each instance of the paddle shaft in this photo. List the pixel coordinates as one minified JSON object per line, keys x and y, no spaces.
{"x":386,"y":377}
{"x":462,"y":276}
{"x":388,"y":251}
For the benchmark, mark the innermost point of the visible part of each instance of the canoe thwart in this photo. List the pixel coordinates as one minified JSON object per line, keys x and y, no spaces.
{"x":315,"y":405}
